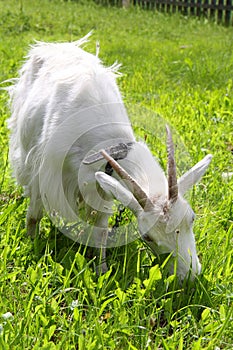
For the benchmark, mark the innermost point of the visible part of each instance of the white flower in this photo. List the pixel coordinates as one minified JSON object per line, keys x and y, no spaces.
{"x":7,"y":316}
{"x":227,"y":175}
{"x":74,"y":304}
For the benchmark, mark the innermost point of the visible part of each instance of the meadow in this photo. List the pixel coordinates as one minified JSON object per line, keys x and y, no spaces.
{"x":175,"y":69}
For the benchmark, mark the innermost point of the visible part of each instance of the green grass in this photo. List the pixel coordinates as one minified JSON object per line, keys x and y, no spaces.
{"x":181,"y":70}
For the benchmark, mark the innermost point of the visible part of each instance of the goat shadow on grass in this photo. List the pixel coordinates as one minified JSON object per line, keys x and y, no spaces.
{"x":63,"y":250}
{"x":122,"y":259}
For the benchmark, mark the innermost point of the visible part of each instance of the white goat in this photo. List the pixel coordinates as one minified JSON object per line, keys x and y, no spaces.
{"x":68,"y":122}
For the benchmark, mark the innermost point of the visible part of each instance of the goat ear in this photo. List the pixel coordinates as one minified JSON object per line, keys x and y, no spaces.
{"x":113,"y":187}
{"x":192,"y":176}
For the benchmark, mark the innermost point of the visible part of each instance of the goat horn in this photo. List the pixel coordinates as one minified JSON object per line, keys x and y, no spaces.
{"x":172,"y":179}
{"x":138,"y":192}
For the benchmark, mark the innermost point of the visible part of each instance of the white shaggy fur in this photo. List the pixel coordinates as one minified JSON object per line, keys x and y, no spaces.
{"x":66,"y":104}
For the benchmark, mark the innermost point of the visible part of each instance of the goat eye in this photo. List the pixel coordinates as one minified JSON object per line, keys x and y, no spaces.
{"x":146,"y":238}
{"x":177,"y":231}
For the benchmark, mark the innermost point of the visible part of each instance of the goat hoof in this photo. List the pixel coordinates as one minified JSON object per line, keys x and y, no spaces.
{"x":101,"y":269}
{"x":32,"y":227}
